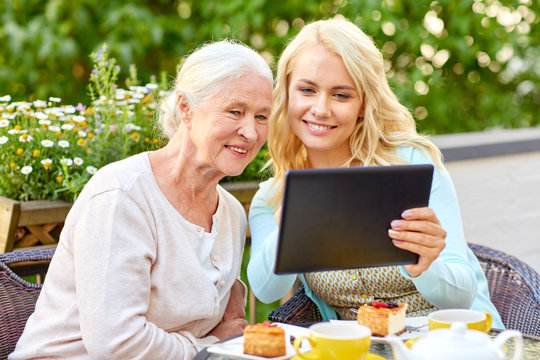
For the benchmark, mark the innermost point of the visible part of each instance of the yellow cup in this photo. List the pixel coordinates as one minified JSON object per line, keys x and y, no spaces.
{"x":335,"y":341}
{"x":475,"y":320}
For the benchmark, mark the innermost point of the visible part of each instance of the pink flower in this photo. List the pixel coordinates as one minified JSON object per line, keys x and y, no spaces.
{"x":80,"y":107}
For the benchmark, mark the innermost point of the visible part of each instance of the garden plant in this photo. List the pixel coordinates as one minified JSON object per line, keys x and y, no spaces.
{"x":49,"y":150}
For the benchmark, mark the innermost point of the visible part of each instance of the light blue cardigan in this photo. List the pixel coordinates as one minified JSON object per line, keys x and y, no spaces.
{"x":454,"y":280}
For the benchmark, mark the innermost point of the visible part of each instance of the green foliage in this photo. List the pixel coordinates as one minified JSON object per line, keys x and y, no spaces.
{"x":49,"y":151}
{"x":262,"y":310}
{"x":458,"y":66}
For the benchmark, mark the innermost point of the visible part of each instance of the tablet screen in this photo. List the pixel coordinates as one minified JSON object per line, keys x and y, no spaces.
{"x":338,"y":218}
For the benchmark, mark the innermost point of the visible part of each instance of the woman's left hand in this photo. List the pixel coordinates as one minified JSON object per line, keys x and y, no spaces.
{"x":420,"y":232}
{"x":233,"y":322}
{"x":236,"y":307}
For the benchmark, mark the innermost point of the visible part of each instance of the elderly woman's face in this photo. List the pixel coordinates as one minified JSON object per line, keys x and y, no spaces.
{"x":230,"y":127}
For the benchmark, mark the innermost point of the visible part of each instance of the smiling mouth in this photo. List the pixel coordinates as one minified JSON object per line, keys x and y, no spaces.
{"x":318,"y":127}
{"x":237,"y":149}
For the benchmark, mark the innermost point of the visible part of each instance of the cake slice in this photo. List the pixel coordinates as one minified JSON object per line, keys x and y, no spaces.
{"x":383,"y":318}
{"x":266,"y":340}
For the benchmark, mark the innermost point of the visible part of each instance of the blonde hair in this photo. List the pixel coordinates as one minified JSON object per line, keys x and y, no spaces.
{"x":386,"y":124}
{"x":205,"y":72}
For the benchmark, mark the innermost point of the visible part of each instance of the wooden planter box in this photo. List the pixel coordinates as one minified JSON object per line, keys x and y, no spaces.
{"x":30,"y":223}
{"x":39,"y":222}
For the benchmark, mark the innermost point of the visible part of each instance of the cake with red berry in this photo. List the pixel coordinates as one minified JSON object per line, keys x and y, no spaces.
{"x":266,"y":340}
{"x":383,"y":318}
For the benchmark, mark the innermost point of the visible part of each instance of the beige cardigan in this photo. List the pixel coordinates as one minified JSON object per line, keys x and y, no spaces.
{"x":131,"y":278}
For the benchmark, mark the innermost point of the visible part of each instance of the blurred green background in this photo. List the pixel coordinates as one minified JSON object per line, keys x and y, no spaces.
{"x":459,"y":66}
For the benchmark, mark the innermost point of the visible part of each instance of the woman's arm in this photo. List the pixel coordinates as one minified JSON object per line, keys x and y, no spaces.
{"x":450,"y":280}
{"x":114,"y":249}
{"x":266,"y":285}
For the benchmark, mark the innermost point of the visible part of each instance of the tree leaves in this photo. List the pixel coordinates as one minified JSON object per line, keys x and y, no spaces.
{"x":47,"y":43}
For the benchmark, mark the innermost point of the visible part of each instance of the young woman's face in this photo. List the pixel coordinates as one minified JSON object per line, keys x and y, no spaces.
{"x":324,"y":105}
{"x":229,"y":128}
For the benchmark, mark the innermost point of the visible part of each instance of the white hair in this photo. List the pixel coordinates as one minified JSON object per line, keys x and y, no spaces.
{"x":206,"y":71}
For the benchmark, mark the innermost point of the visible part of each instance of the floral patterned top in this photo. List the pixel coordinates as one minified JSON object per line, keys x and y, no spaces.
{"x":347,"y":290}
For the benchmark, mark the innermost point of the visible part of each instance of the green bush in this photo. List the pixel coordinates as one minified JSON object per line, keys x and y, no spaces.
{"x":49,"y":151}
{"x":459,"y":66}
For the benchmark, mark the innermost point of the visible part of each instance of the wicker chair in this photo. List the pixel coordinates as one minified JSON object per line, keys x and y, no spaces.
{"x":17,"y":296}
{"x":514,"y":288}
{"x":299,"y":309}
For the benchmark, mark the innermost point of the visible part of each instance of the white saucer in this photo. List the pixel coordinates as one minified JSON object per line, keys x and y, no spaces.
{"x":412,"y":331}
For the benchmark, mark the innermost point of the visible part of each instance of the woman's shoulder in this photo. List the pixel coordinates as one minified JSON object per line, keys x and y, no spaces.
{"x":120,"y":174}
{"x":414,"y":155}
{"x":266,"y":188}
{"x":230,"y":201}
{"x":266,"y":184}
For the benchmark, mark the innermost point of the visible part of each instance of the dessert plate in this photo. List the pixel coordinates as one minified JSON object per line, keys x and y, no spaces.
{"x":416,"y":327}
{"x":234,"y":348}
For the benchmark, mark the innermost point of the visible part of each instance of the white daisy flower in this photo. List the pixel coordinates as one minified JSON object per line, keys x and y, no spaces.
{"x":78,"y":161}
{"x":55,"y":99}
{"x":47,"y":143}
{"x":78,"y":118}
{"x":3,"y":139}
{"x":41,"y":116}
{"x":4,"y":123}
{"x":151,"y":86}
{"x":40,"y":104}
{"x":54,"y":128}
{"x":82,"y":134}
{"x":28,"y":138}
{"x":66,"y":161}
{"x":44,"y":122}
{"x":67,"y":127}
{"x":63,"y":143}
{"x":53,"y":111}
{"x":69,"y":109}
{"x":139,"y":89}
{"x":120,"y":94}
{"x":91,"y":170}
{"x":13,"y":131}
{"x":130,"y":127}
{"x":46,"y":162}
{"x":26,"y":170}
{"x":5,"y":98}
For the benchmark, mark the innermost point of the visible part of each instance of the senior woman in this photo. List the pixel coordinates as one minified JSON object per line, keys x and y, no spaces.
{"x":148,"y":260}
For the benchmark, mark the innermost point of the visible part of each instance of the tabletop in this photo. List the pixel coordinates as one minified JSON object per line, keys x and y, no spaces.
{"x":531,"y":349}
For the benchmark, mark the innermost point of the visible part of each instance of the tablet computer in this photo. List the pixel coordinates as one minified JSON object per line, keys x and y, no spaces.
{"x":338,"y":218}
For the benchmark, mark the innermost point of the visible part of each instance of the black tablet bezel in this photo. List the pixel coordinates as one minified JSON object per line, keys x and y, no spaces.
{"x":338,"y":218}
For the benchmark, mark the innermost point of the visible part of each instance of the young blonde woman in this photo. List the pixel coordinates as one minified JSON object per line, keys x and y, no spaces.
{"x":333,"y":107}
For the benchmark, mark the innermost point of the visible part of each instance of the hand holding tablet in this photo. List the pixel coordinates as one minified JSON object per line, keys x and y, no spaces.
{"x":338,"y":218}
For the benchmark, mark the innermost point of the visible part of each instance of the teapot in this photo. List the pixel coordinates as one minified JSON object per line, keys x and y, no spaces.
{"x":458,"y":342}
